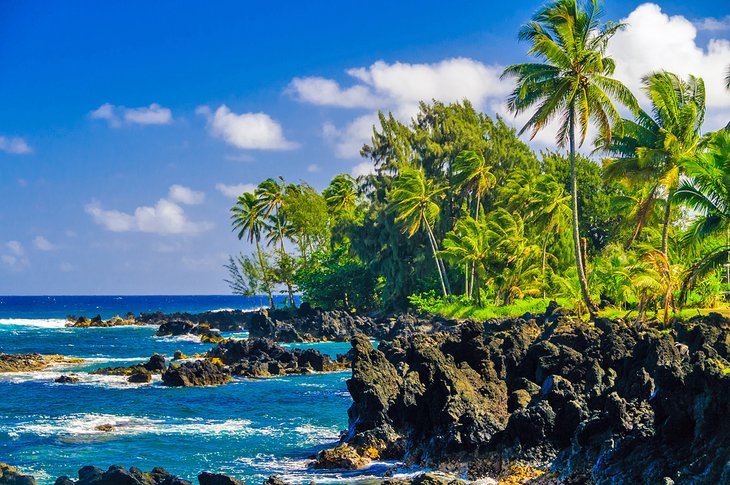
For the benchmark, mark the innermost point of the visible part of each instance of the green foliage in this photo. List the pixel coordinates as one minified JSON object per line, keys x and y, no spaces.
{"x":332,"y":280}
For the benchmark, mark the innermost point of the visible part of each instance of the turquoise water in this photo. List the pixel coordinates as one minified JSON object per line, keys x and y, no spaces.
{"x":249,"y":429}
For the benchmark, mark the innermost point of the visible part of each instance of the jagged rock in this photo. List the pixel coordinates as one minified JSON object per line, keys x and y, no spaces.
{"x":342,"y":457}
{"x":137,"y":372}
{"x":11,"y":476}
{"x":117,"y":475}
{"x":97,"y":321}
{"x":599,"y":401}
{"x":207,"y":478}
{"x":197,"y":373}
{"x":227,"y":321}
{"x":182,"y":327}
{"x":274,"y":480}
{"x":257,"y":357}
{"x":66,"y":379}
{"x":33,"y":362}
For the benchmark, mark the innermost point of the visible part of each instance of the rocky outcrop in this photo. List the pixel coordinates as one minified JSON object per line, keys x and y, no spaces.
{"x":183,"y":327}
{"x":66,"y":379}
{"x":590,"y":402}
{"x":207,"y":478}
{"x":257,"y":357}
{"x":97,"y":321}
{"x":311,"y":325}
{"x":226,"y":321}
{"x":117,"y":475}
{"x":342,"y":457}
{"x":196,"y":373}
{"x":11,"y":476}
{"x":138,"y":373}
{"x":33,"y":362}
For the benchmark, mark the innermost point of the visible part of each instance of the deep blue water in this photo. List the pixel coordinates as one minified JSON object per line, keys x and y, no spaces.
{"x":249,"y":429}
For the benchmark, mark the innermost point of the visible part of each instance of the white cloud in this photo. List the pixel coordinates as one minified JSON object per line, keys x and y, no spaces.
{"x":185,"y":195}
{"x":313,"y":168}
{"x":362,"y":169}
{"x":326,"y":92}
{"x":43,"y":244}
{"x":654,"y":40}
{"x":711,"y":24}
{"x":13,"y":256}
{"x":233,"y":191}
{"x":399,"y":88}
{"x":153,"y":114}
{"x":14,"y":145}
{"x":257,"y":131}
{"x":165,"y":217}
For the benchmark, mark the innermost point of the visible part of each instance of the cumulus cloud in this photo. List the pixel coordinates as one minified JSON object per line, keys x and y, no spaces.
{"x":14,"y":145}
{"x":185,"y":195}
{"x":256,"y":131}
{"x":397,"y":87}
{"x":43,"y":244}
{"x":233,"y":191}
{"x":711,"y":24}
{"x":153,"y":114}
{"x":165,"y":217}
{"x":13,"y":256}
{"x":654,"y":40}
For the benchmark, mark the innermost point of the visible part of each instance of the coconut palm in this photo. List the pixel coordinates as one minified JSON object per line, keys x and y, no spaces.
{"x":248,"y":221}
{"x":550,"y":206}
{"x":708,"y":193}
{"x":472,"y":174}
{"x":341,"y":195}
{"x":270,"y":196}
{"x":573,"y":83}
{"x":413,"y":200}
{"x":654,"y":149}
{"x":468,"y":245}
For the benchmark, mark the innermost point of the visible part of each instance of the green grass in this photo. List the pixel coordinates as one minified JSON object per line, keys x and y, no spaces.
{"x":520,"y":307}
{"x":460,"y":311}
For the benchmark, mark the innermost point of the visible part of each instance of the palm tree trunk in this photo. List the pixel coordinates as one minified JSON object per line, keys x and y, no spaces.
{"x":665,"y":228}
{"x":544,"y":258}
{"x":264,"y":275}
{"x":576,"y":230}
{"x":289,"y":288}
{"x":646,"y":206}
{"x":432,"y":241}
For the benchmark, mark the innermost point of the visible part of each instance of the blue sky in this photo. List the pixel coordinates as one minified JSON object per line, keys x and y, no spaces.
{"x":127,"y":127}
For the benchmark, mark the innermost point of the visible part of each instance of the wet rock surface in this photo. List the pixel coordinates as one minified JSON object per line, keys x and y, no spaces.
{"x":175,"y":328}
{"x":33,"y":362}
{"x":226,"y":320}
{"x":10,"y":476}
{"x":97,"y":321}
{"x":590,"y":402}
{"x":138,"y":373}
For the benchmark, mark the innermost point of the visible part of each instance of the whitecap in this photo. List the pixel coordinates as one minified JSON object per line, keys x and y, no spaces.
{"x":90,"y":427}
{"x":35,"y":322}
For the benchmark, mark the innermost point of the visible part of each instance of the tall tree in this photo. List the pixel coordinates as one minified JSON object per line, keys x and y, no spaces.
{"x":270,"y":195}
{"x":708,"y":193}
{"x":573,"y":82}
{"x":341,"y":196}
{"x":248,"y":221}
{"x":654,"y":149}
{"x":468,"y":245}
{"x":413,"y":200}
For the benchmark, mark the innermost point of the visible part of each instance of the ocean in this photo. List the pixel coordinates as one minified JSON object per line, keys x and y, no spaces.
{"x":250,"y":429}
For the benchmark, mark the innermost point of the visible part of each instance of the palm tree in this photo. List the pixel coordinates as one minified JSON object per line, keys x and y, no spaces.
{"x":468,"y":245}
{"x":573,"y":82}
{"x":413,"y":200}
{"x":654,"y":149}
{"x":708,"y":193}
{"x":472,"y":174}
{"x":341,"y":195}
{"x":270,"y":196}
{"x":551,"y":208}
{"x":248,"y":221}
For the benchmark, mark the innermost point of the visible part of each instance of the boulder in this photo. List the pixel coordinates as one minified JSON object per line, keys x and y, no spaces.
{"x":342,"y":457}
{"x":207,"y":478}
{"x":197,"y":373}
{"x":66,"y":379}
{"x":11,"y":476}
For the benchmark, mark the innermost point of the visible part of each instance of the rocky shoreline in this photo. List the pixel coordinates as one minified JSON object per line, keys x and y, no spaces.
{"x":595,"y":402}
{"x":33,"y":362}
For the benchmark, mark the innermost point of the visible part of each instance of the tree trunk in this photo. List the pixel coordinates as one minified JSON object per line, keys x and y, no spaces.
{"x":576,"y":230}
{"x":281,"y":245}
{"x":665,"y":228}
{"x":264,"y":275}
{"x":544,"y":257}
{"x":432,"y":240}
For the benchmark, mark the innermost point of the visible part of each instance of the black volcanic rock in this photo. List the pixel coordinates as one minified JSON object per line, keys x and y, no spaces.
{"x":197,"y":373}
{"x":257,"y":357}
{"x":599,"y":402}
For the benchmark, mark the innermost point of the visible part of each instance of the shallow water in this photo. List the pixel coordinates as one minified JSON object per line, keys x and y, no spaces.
{"x":251,"y":428}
